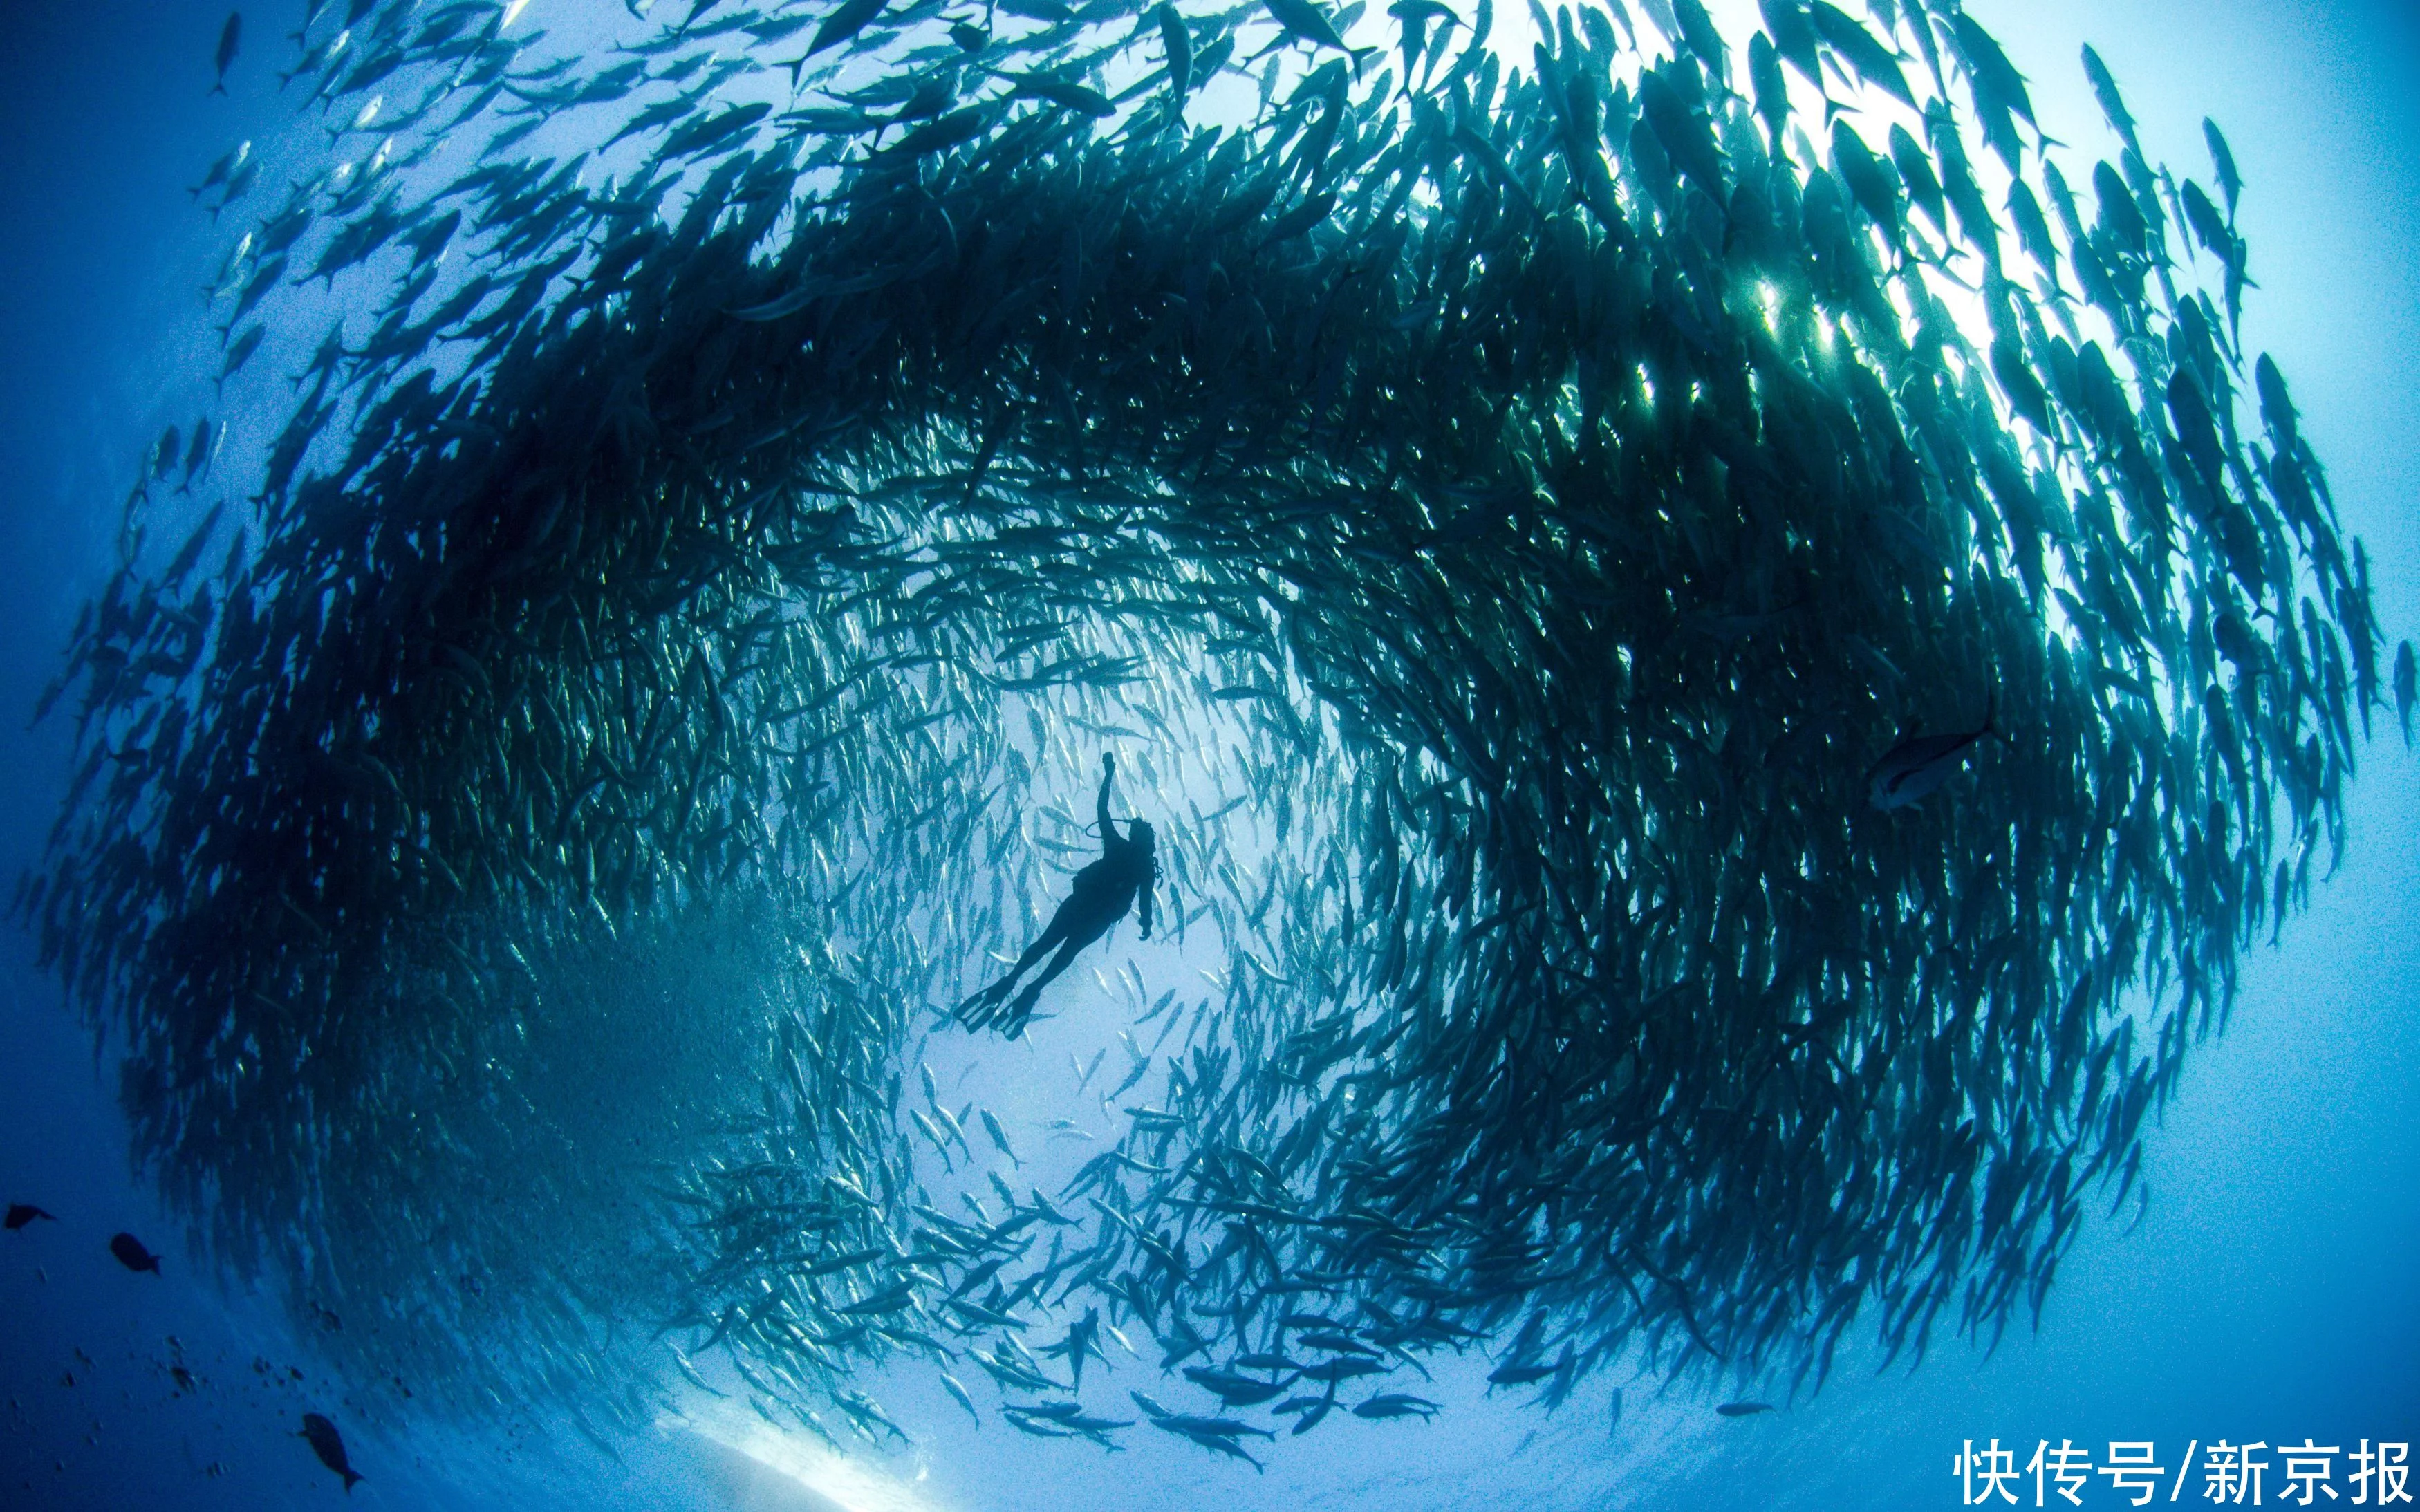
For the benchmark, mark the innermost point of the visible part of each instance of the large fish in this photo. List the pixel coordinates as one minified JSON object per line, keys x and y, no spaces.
{"x":230,"y":38}
{"x":131,"y":1254}
{"x":329,"y":1446}
{"x":1917,"y":767}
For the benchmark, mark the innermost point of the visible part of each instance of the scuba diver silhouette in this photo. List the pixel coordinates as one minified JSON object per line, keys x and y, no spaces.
{"x":1103,"y":892}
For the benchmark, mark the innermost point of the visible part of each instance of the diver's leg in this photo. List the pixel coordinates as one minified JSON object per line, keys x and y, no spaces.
{"x":976,"y":1010}
{"x":1023,"y":1008}
{"x":1052,"y":935}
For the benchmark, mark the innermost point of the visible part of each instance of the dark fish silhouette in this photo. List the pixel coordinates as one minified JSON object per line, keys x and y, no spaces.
{"x":330,"y":1446}
{"x":1519,"y":1375}
{"x":1413,"y":15}
{"x":1177,"y":44}
{"x":198,"y":454}
{"x":22,"y":1214}
{"x":1917,"y":767}
{"x":2407,"y":690}
{"x":2231,"y":183}
{"x":132,"y":1254}
{"x":230,"y":35}
{"x":1743,"y":1408}
{"x":1306,"y":22}
{"x":2104,"y":88}
{"x":846,"y":20}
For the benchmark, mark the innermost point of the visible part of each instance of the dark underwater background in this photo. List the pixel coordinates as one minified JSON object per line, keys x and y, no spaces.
{"x":2267,"y":1292}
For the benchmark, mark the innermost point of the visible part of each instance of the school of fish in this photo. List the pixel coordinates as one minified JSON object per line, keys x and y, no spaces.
{"x":1724,"y":691}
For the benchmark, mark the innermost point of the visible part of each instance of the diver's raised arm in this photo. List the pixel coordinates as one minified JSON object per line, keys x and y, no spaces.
{"x":1110,"y":836}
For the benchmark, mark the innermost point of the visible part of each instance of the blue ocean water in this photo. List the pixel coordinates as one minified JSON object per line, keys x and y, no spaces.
{"x":2265,"y":1295}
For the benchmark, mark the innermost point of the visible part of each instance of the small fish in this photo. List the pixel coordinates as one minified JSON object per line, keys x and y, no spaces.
{"x":1151,"y":1408}
{"x":330,"y":1446}
{"x":958,"y":1393}
{"x":1999,"y":90}
{"x":230,"y":35}
{"x":1702,"y":36}
{"x":1303,"y":18}
{"x":1081,"y":1341}
{"x":219,"y":172}
{"x":851,"y":17}
{"x":22,"y":1214}
{"x":2231,"y":183}
{"x":1771,"y":90}
{"x":1873,"y":62}
{"x":241,"y":351}
{"x":199,"y":455}
{"x":1231,"y":1389}
{"x":1178,"y":42}
{"x":1059,"y":92}
{"x":1743,"y":1408}
{"x":999,"y":1137}
{"x":2407,"y":691}
{"x":2104,"y":88}
{"x":1792,"y":30}
{"x":1518,"y":1375}
{"x":1415,"y":16}
{"x":132,"y":1254}
{"x":1915,"y":766}
{"x":1916,"y":175}
{"x":1317,"y":1408}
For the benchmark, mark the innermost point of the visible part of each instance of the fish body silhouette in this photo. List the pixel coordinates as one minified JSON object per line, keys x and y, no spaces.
{"x":1917,"y":767}
{"x":230,"y":39}
{"x":329,"y":1446}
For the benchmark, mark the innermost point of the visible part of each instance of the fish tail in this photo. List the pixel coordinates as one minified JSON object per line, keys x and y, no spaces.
{"x":352,"y":1477}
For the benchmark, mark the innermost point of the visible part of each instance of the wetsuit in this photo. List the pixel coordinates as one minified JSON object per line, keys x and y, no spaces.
{"x":1102,"y":894}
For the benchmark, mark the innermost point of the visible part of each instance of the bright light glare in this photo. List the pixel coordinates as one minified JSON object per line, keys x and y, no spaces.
{"x":843,"y":1480}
